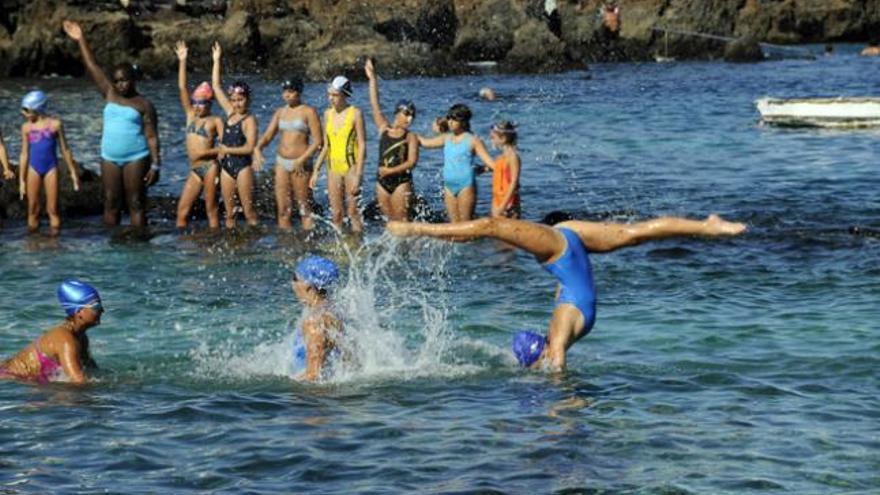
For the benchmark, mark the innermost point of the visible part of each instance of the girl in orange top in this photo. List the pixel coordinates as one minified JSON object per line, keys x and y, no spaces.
{"x":505,"y":171}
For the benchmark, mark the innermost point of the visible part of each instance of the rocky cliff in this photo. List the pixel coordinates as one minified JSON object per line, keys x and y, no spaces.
{"x":318,"y":38}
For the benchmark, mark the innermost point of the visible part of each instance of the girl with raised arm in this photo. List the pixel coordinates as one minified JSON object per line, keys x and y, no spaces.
{"x":130,"y":159}
{"x":238,"y":141}
{"x":460,"y":147}
{"x":344,"y":149}
{"x":563,"y":250}
{"x":202,"y":130}
{"x":398,"y":153}
{"x":41,"y":135}
{"x":301,"y":138}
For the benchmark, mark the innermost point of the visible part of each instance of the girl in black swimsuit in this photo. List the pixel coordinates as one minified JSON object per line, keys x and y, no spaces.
{"x":398,"y":153}
{"x":237,"y":145}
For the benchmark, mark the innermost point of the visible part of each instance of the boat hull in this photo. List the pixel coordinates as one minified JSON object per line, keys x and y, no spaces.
{"x":820,"y":112}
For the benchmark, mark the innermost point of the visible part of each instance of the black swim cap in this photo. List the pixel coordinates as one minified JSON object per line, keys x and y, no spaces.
{"x":295,"y":83}
{"x":460,"y":113}
{"x":406,"y":106}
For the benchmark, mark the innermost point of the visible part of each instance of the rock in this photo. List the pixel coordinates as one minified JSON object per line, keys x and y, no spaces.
{"x":535,"y":49}
{"x":744,"y":50}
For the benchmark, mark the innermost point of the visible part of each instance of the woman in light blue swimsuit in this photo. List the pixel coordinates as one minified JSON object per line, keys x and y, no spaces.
{"x":301,"y":138}
{"x":130,"y":159}
{"x":563,"y":250}
{"x":459,"y":170}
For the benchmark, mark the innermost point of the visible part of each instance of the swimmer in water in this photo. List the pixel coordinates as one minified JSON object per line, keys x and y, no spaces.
{"x":345,"y":150}
{"x":398,"y":153}
{"x":313,"y":340}
{"x":41,"y":135}
{"x":130,"y":158}
{"x":301,"y":138}
{"x":202,"y":130}
{"x":873,"y":48}
{"x":563,"y":250}
{"x":237,"y":143}
{"x":505,"y":171}
{"x":459,"y":171}
{"x":63,"y":351}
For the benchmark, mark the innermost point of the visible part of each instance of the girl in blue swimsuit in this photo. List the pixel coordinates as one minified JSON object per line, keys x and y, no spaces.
{"x":40,"y":137}
{"x":459,"y":171}
{"x":563,"y":251}
{"x":313,"y":346}
{"x":129,"y":143}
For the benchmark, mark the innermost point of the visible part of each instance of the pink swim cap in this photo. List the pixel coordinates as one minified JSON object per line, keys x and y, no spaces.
{"x":203,"y":92}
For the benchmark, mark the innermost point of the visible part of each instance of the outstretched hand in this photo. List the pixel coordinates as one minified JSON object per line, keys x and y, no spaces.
{"x":369,"y":69}
{"x":216,"y":51}
{"x":73,"y":30}
{"x":181,"y":50}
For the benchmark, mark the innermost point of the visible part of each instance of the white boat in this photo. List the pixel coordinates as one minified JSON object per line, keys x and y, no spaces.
{"x":820,"y":112}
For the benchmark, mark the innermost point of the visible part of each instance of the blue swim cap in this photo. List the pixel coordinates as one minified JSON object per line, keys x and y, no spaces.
{"x":35,"y":100}
{"x":527,"y":347}
{"x":75,"y":295}
{"x":317,"y":271}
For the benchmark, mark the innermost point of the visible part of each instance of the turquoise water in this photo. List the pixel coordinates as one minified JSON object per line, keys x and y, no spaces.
{"x":734,"y":366}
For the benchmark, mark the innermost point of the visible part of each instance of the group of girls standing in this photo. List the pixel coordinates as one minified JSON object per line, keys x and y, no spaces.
{"x":227,"y":151}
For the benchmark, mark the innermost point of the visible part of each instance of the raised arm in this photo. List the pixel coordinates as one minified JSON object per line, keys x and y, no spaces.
{"x":378,"y":119}
{"x":182,"y":53}
{"x":222,"y":99}
{"x":74,"y":31}
{"x":68,"y":157}
{"x":8,"y":174}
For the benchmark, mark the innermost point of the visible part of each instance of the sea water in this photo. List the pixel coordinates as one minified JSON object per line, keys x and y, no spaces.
{"x":743,"y":365}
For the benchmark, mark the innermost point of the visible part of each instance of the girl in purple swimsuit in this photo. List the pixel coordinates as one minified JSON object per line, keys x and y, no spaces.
{"x":40,"y":137}
{"x":63,"y":351}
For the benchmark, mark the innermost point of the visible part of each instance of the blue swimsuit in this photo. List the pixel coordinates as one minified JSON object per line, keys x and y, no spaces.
{"x":575,"y":276}
{"x":123,"y":139}
{"x":458,"y":165}
{"x":42,"y":146}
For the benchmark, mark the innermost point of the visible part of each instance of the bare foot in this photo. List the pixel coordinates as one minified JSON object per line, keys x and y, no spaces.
{"x":716,"y":225}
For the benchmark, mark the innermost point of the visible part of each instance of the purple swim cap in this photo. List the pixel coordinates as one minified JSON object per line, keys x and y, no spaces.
{"x":527,"y":347}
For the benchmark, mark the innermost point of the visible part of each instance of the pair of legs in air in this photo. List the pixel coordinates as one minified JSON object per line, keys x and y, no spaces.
{"x":547,"y":245}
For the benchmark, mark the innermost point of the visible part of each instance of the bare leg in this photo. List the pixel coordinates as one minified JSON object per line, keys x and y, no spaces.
{"x":245,"y":184}
{"x":400,"y":202}
{"x":282,"y":198}
{"x":544,"y":242}
{"x":384,"y":200}
{"x":451,"y":203}
{"x":50,"y":182}
{"x":605,"y":237}
{"x":111,"y":178}
{"x":136,"y":191}
{"x":188,"y":196}
{"x":467,"y":202}
{"x":301,"y":193}
{"x":353,"y":199}
{"x":227,"y":189}
{"x":335,"y":195}
{"x":211,"y":208}
{"x":34,"y":183}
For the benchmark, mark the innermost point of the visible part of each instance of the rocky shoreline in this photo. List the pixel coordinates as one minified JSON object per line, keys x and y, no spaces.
{"x":317,"y":38}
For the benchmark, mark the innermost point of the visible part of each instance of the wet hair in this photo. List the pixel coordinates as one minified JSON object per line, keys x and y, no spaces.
{"x":239,"y":87}
{"x":556,"y":216}
{"x":131,"y":71}
{"x":294,"y":83}
{"x":460,"y":113}
{"x":405,"y":106}
{"x":507,"y":129}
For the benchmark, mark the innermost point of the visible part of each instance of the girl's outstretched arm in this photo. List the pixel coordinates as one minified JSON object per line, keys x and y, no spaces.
{"x":68,"y":157}
{"x":216,"y":83}
{"x":182,"y":52}
{"x":479,"y":149}
{"x":378,"y":119}
{"x":74,"y":31}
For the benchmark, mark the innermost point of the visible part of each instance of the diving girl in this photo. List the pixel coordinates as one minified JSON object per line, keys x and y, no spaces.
{"x":62,"y":352}
{"x":398,"y":153}
{"x":459,"y":171}
{"x":313,"y":345}
{"x":301,"y":138}
{"x":202,"y":130}
{"x":41,"y":136}
{"x":237,"y":143}
{"x":563,"y":250}
{"x":505,"y":171}
{"x":130,"y":159}
{"x":344,"y":149}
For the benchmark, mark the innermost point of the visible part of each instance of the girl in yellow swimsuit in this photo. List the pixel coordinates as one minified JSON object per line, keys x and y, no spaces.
{"x":344,"y":150}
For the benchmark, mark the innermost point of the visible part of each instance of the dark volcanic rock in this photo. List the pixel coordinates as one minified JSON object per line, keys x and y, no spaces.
{"x":744,"y":50}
